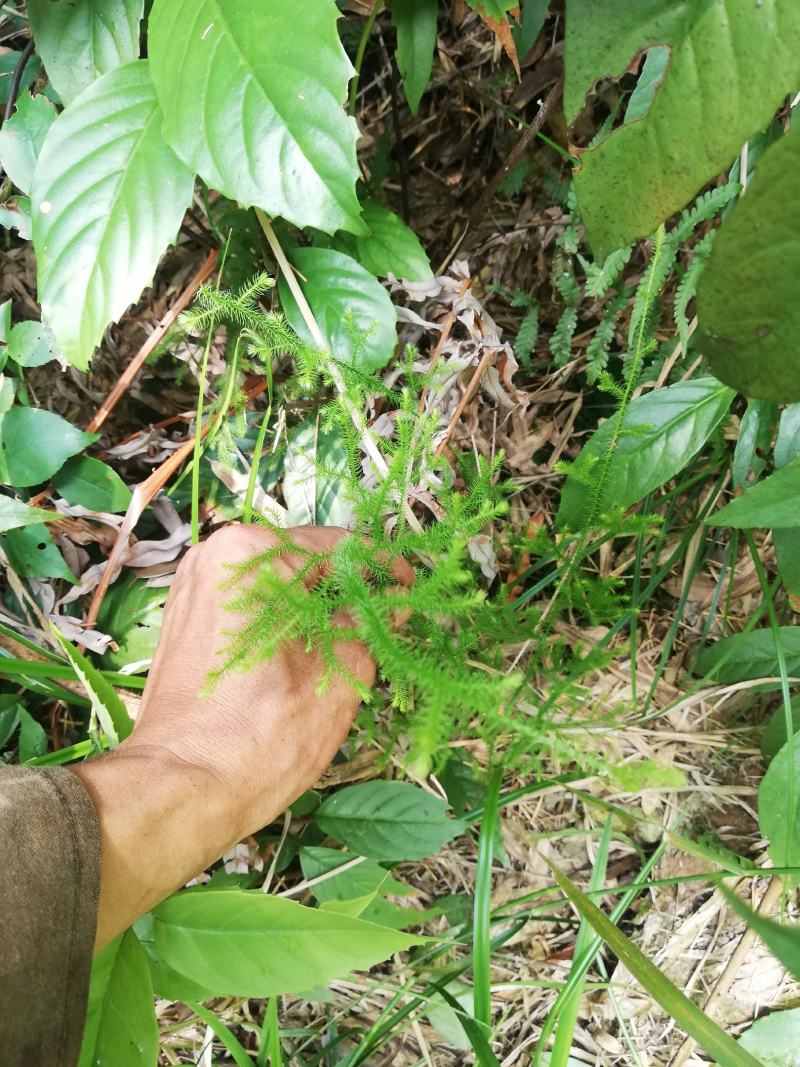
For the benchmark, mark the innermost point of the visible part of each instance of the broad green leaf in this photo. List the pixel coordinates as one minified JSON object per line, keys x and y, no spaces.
{"x":444,"y":1019}
{"x":415,"y":22}
{"x":773,"y":502}
{"x":752,"y":344}
{"x":731,"y":64}
{"x":746,"y":656}
{"x":32,"y":738}
{"x":35,"y":443}
{"x":92,"y":484}
{"x":132,"y":614}
{"x":314,"y":486}
{"x":676,"y":1004}
{"x":9,"y":717}
{"x":661,"y":432}
{"x":106,"y":705}
{"x":108,"y":197}
{"x":257,"y":108}
{"x":80,"y":41}
{"x":22,"y":137}
{"x":352,"y":308}
{"x":32,"y":553}
{"x":779,"y":806}
{"x":167,"y":982}
{"x":755,"y":434}
{"x":775,"y":1038}
{"x":774,"y":737}
{"x":387,"y":820}
{"x":391,"y":247}
{"x":14,"y":514}
{"x":244,"y":943}
{"x":121,"y":1028}
{"x":782,"y":941}
{"x":32,"y":344}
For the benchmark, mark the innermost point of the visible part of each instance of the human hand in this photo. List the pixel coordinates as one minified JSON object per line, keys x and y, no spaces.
{"x":200,"y":772}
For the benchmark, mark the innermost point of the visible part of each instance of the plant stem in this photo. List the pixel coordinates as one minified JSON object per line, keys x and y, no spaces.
{"x":368,"y":442}
{"x":362,"y":47}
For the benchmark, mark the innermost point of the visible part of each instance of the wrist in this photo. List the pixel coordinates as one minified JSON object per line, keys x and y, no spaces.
{"x":162,"y":820}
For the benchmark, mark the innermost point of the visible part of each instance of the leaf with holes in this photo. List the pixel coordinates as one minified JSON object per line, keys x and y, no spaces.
{"x":22,"y":137}
{"x":108,"y":197}
{"x":731,"y":65}
{"x":32,"y":553}
{"x":34,"y":444}
{"x":257,"y":107}
{"x":661,"y":431}
{"x":387,"y":820}
{"x":415,"y":22}
{"x":752,"y":344}
{"x":79,"y":42}
{"x":351,"y":306}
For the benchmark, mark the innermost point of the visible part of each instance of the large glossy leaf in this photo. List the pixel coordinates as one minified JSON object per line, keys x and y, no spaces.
{"x":662,"y":430}
{"x":773,"y":502}
{"x":80,"y":41}
{"x":35,"y":443}
{"x":108,"y":197}
{"x":779,"y":805}
{"x":256,"y":104}
{"x":746,"y":656}
{"x":753,"y":344}
{"x":387,"y":820}
{"x":731,"y":65}
{"x":352,"y":308}
{"x":243,"y":943}
{"x":415,"y":22}
{"x":92,"y":484}
{"x":391,"y":247}
{"x":121,"y":1029}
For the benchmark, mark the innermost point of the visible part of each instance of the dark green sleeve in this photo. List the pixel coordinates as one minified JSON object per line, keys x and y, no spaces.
{"x":49,"y":885}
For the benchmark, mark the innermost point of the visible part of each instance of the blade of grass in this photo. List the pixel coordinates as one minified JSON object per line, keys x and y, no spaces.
{"x":226,"y":1036}
{"x":269,"y":1048}
{"x":106,"y":705}
{"x":481,"y":933}
{"x":713,"y":1040}
{"x":568,"y":1016}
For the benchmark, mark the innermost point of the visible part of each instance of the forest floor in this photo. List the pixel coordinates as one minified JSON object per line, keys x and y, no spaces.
{"x":701,"y":748}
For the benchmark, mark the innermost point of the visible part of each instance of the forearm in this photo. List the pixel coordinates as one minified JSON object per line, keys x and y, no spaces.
{"x":161,"y":823}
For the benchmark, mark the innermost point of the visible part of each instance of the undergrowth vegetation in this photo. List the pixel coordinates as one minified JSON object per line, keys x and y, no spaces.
{"x":574,"y":554}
